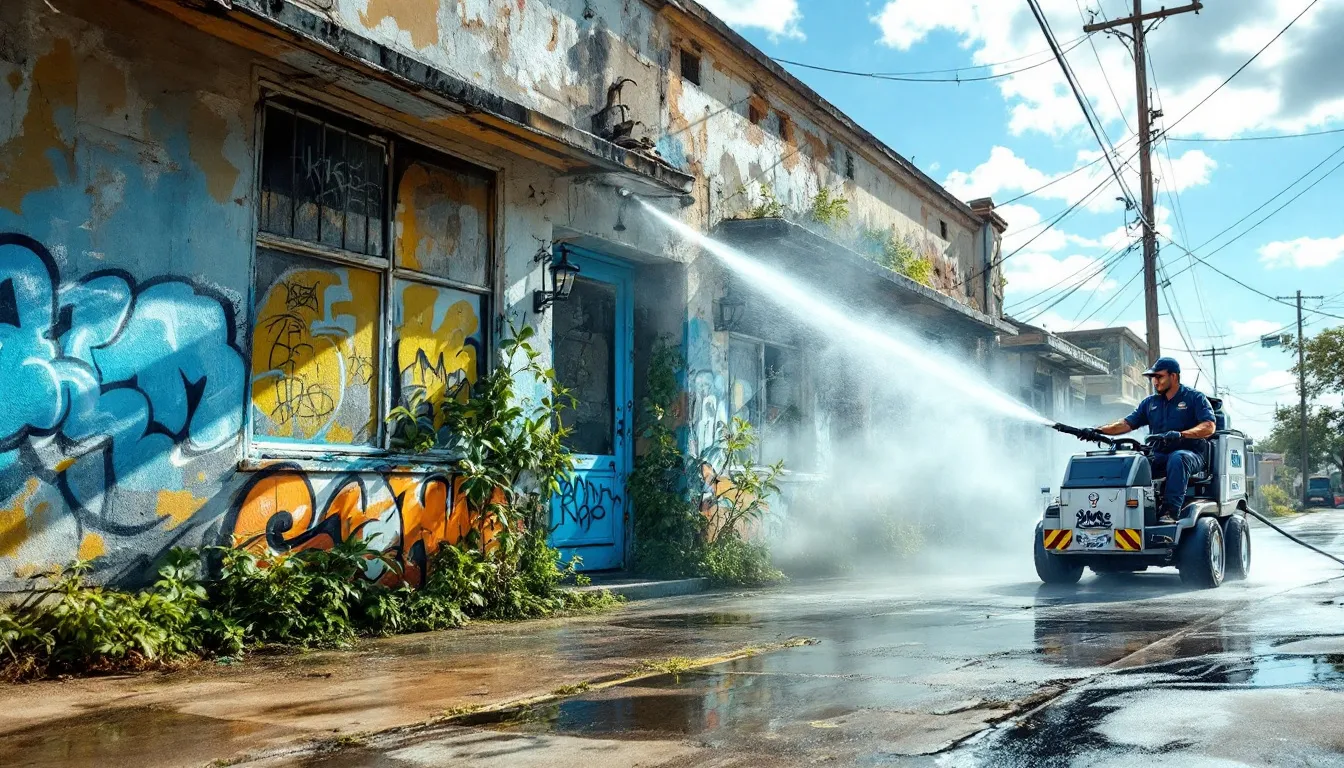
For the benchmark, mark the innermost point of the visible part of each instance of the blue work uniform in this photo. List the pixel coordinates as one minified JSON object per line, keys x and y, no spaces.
{"x":1187,"y":410}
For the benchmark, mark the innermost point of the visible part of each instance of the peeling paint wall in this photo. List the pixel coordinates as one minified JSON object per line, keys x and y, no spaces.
{"x":141,"y":332}
{"x":738,"y":128}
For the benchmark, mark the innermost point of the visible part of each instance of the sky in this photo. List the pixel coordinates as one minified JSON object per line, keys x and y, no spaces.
{"x":1009,"y":135}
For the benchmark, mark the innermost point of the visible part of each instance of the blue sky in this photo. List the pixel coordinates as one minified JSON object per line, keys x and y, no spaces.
{"x":1006,"y":136}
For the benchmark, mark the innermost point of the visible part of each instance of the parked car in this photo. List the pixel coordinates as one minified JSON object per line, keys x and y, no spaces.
{"x":1319,"y":492}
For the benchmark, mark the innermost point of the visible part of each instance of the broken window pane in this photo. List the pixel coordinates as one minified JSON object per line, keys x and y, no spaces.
{"x":314,"y":351}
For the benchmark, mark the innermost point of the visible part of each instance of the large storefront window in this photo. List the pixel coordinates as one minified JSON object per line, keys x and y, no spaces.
{"x":362,"y":297}
{"x":766,"y":388}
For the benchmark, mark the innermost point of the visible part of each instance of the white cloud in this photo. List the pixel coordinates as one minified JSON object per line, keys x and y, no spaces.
{"x":1192,"y":55}
{"x":1032,"y":272}
{"x":1247,"y":330}
{"x":1025,"y":225}
{"x":1302,"y":253}
{"x":1006,"y":172}
{"x":1272,"y":380}
{"x":781,"y":18}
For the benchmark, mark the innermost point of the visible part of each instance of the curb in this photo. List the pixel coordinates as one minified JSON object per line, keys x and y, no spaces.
{"x":649,"y":590}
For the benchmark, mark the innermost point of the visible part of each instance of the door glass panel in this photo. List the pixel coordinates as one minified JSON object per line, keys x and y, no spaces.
{"x":585,"y":351}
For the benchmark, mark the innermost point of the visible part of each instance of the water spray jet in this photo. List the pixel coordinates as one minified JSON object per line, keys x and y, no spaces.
{"x":807,"y":307}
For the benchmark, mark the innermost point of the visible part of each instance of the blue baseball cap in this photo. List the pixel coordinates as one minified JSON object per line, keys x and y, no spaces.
{"x":1164,"y":365}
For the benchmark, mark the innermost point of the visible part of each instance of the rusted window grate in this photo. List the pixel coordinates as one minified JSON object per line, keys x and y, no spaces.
{"x":322,"y":183}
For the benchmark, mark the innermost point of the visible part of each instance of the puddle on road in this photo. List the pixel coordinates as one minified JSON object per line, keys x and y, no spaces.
{"x":137,"y":735}
{"x":738,"y":697}
{"x":1267,"y":671}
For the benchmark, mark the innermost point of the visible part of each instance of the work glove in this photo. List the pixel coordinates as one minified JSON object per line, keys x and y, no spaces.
{"x":1169,"y":440}
{"x":1092,"y":436}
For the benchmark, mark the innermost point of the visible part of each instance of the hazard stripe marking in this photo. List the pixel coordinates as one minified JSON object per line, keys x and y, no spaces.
{"x":1065,"y":539}
{"x":1128,"y":539}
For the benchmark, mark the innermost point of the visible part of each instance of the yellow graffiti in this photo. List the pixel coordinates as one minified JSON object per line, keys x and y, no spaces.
{"x":433,"y":355}
{"x":429,"y":222}
{"x":305,"y":358}
{"x":14,"y":520}
{"x":91,"y":546}
{"x":178,"y":507}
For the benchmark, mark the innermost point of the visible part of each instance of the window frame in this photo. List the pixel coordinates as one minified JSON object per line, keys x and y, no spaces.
{"x":805,"y":393}
{"x":259,"y":450}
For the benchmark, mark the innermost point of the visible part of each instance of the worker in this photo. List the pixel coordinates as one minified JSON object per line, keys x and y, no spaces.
{"x":1181,"y":419}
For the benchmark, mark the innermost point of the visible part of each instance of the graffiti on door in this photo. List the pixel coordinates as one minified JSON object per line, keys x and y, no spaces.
{"x":584,"y":502}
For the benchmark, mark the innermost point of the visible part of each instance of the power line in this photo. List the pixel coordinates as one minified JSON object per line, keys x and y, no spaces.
{"x":1195,"y":139}
{"x":1108,"y":259}
{"x":1250,"y":288}
{"x":1083,"y":103}
{"x":906,"y":77}
{"x":1242,"y":68}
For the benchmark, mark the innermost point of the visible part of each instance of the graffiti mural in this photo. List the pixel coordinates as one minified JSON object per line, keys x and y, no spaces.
{"x":313,"y":351}
{"x":283,"y":508}
{"x":112,"y":388}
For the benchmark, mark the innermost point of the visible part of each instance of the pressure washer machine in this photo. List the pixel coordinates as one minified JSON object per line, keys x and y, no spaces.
{"x":1106,"y":515}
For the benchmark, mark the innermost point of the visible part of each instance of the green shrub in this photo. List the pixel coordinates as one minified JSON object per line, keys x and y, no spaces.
{"x":1279,"y":501}
{"x":768,"y":207}
{"x":674,"y":537}
{"x":829,"y":208}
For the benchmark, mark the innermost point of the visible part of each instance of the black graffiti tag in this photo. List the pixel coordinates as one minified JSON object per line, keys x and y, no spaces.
{"x":1093,"y":519}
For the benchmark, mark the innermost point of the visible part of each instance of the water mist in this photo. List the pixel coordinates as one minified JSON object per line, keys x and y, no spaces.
{"x":948,"y":466}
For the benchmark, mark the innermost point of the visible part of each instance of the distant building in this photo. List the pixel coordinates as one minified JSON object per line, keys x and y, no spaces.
{"x":1047,"y":372}
{"x":1115,"y":394}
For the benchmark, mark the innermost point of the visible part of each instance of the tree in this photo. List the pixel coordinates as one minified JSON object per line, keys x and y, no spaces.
{"x":1324,"y":356}
{"x":1325,"y":437}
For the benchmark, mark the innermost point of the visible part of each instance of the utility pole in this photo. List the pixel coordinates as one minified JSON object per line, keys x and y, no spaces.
{"x":1302,"y":387}
{"x":1215,"y":353}
{"x":1137,"y":35}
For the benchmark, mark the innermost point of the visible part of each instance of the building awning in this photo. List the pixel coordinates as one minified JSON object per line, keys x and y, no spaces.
{"x":359,"y":65}
{"x":1067,"y":357}
{"x":852,"y":279}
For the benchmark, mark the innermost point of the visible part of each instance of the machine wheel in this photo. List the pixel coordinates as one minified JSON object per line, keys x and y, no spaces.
{"x":1054,"y":569}
{"x":1202,"y":556}
{"x":1237,"y":535}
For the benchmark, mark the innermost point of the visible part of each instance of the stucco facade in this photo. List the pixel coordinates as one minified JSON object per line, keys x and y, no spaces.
{"x":234,"y":235}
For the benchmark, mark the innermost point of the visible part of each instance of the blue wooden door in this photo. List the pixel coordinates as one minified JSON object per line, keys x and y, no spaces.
{"x":592,"y":343}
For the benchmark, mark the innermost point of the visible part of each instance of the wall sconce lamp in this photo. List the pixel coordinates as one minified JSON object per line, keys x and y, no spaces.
{"x":728,"y":313}
{"x":562,"y":272}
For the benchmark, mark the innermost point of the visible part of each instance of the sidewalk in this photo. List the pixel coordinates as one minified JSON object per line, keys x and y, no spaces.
{"x":212,"y":712}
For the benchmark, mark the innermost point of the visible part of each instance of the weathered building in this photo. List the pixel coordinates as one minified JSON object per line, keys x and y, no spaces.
{"x":1114,"y":395}
{"x":1046,"y":372}
{"x":234,"y":234}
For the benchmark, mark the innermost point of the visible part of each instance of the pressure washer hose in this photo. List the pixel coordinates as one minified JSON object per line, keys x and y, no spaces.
{"x":1266,"y":521}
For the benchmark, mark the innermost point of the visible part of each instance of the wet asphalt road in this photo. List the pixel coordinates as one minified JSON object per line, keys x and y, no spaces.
{"x":976,"y":665}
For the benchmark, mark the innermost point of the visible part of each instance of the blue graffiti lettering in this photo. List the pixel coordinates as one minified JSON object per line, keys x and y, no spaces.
{"x":143,"y":375}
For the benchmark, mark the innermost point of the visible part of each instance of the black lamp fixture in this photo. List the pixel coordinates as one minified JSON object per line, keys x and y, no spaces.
{"x":562,"y":272}
{"x":728,"y":312}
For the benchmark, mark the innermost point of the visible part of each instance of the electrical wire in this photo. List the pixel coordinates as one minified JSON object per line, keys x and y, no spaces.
{"x":1083,"y":103}
{"x":906,"y":77}
{"x":1243,"y":67}
{"x":1273,"y":137}
{"x":1248,"y":287}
